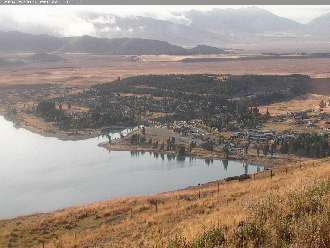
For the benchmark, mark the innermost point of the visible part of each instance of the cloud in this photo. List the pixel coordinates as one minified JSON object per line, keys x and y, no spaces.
{"x":72,"y":21}
{"x":40,"y":20}
{"x":302,"y":14}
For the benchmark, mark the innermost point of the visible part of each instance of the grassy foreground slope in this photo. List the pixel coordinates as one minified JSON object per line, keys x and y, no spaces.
{"x":289,"y":209}
{"x":299,"y":218}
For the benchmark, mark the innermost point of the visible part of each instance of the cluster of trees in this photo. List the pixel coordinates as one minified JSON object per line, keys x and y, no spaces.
{"x":11,"y":114}
{"x":181,"y":97}
{"x":231,"y":86}
{"x":137,"y":139}
{"x":265,"y":85}
{"x":304,"y":144}
{"x":307,"y":144}
{"x":47,"y":109}
{"x":238,"y":115}
{"x":170,"y":145}
{"x":268,"y":148}
{"x":324,"y":103}
{"x":208,"y":145}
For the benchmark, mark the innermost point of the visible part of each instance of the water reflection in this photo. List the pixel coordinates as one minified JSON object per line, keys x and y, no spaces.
{"x":245,"y":166}
{"x":190,"y":161}
{"x":169,"y":156}
{"x":208,"y":161}
{"x":225,"y":164}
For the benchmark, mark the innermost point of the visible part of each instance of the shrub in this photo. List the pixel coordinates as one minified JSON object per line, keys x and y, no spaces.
{"x":178,"y":242}
{"x":180,"y":150}
{"x":296,"y":219}
{"x":212,"y":238}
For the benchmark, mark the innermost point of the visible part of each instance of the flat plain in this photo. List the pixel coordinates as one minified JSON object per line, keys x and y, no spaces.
{"x":85,"y":70}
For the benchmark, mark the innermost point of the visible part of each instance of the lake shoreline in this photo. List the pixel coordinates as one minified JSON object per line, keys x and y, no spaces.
{"x":29,"y":123}
{"x":265,"y":162}
{"x":49,"y":174}
{"x":158,"y":136}
{"x":37,"y":125}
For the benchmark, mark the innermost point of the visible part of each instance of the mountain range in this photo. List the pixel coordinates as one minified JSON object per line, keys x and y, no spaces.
{"x":225,"y":28}
{"x":13,"y":41}
{"x":216,"y":27}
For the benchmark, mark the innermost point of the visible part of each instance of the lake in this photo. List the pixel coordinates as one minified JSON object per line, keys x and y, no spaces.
{"x":39,"y":174}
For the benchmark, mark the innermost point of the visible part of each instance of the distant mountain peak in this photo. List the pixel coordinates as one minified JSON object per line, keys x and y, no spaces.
{"x":21,"y":42}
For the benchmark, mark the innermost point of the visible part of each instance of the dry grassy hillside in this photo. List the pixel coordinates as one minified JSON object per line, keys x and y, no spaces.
{"x":180,"y":217}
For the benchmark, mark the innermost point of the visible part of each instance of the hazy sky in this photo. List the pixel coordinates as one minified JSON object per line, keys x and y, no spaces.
{"x":66,"y":20}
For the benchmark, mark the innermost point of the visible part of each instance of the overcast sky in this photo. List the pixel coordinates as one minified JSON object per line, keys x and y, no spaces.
{"x":66,"y":20}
